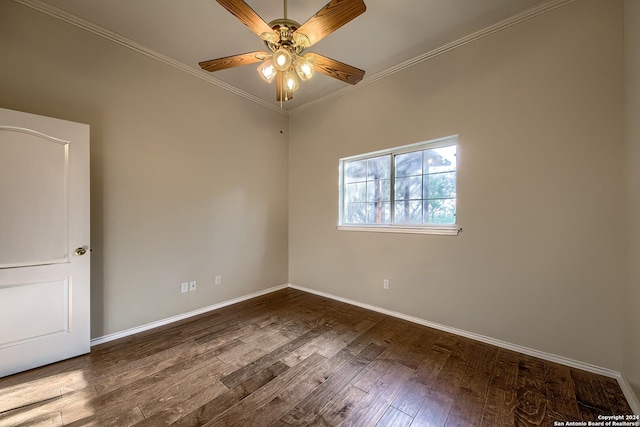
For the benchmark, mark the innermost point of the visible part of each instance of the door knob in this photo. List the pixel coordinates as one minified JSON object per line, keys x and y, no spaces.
{"x":81,"y":251}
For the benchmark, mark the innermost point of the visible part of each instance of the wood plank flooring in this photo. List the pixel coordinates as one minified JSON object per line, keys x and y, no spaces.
{"x":295,"y":359}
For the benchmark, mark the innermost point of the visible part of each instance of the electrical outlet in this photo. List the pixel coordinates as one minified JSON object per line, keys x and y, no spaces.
{"x":184,"y":287}
{"x":385,"y":283}
{"x":193,"y":285}
{"x":218,"y":280}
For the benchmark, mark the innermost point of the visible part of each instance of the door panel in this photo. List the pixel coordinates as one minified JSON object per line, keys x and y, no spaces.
{"x":44,"y":217}
{"x":34,"y":187}
{"x":50,"y":300}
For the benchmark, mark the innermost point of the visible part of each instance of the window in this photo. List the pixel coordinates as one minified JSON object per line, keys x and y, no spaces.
{"x":404,"y":189}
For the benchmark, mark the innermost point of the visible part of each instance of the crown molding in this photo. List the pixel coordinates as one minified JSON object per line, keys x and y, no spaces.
{"x":69,"y":18}
{"x":523,"y":16}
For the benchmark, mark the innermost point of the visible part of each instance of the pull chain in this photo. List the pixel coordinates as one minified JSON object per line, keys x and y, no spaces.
{"x":281,"y":112}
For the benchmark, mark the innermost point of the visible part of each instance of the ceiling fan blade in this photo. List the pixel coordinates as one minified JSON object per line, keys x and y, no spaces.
{"x":232,"y":61}
{"x":337,"y":70}
{"x":331,"y":17}
{"x":282,"y":93}
{"x":246,"y":15}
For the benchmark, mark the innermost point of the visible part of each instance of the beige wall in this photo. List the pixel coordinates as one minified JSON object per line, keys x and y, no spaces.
{"x":631,"y":355}
{"x":540,"y":263}
{"x":187,"y":180}
{"x":539,"y":111}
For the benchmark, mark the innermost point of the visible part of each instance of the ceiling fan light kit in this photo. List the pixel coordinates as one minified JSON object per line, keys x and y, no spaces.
{"x":290,"y":81}
{"x":304,"y":66}
{"x":287,"y":40}
{"x":267,"y":71}
{"x":283,"y":59}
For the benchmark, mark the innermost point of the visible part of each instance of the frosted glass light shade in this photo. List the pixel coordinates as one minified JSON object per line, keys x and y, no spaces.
{"x":304,"y":66}
{"x":267,"y":71}
{"x":290,"y":81}
{"x":282,"y":59}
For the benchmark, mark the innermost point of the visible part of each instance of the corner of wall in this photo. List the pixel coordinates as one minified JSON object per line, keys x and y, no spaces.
{"x":631,"y":340}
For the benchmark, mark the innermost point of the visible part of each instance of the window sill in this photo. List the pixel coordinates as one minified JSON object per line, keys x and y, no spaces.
{"x":443,"y":230}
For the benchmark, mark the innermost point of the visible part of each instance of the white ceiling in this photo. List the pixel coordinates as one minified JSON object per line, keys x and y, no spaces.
{"x":387,"y":34}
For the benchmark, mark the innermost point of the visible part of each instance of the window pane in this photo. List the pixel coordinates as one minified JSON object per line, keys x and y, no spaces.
{"x":355,"y":213}
{"x":440,"y":211}
{"x":408,"y":212}
{"x":409,"y":164}
{"x":409,"y":188}
{"x":379,"y":168}
{"x":379,"y":213}
{"x":440,"y":160}
{"x":440,"y":185}
{"x":423,"y":183}
{"x":355,"y":192}
{"x":355,"y":171}
{"x":379,"y":190}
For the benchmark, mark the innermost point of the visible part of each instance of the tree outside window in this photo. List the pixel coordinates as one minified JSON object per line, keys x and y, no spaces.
{"x":412,"y":185}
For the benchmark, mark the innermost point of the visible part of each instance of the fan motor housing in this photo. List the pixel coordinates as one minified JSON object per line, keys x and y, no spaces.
{"x":284,"y":28}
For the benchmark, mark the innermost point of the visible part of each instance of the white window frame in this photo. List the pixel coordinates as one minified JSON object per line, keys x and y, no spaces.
{"x":444,"y":229}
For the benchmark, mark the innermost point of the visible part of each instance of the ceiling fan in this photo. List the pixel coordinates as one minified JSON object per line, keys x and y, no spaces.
{"x":287,"y":40}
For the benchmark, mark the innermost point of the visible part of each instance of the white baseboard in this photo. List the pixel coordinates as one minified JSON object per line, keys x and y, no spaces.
{"x":624,"y":385}
{"x":110,"y":337}
{"x":629,"y":394}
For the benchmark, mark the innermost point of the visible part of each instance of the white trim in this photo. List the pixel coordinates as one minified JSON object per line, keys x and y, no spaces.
{"x":472,"y":335}
{"x":624,"y":385}
{"x":626,"y":389}
{"x":122,"y":334}
{"x":443,"y":141}
{"x":530,"y":13}
{"x":69,"y":18}
{"x":394,"y":227}
{"x":55,"y":12}
{"x":632,"y":399}
{"x":453,"y":230}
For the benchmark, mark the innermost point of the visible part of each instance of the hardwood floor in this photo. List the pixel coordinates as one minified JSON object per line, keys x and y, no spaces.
{"x":292,"y":358}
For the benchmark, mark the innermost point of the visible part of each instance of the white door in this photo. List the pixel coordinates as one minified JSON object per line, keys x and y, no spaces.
{"x":44,"y":240}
